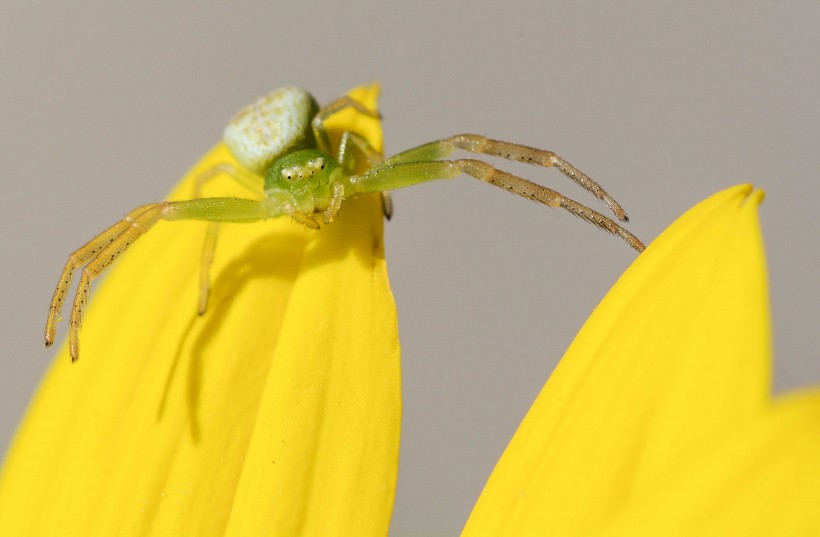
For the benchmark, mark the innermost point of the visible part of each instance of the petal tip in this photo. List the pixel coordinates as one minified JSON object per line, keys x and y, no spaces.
{"x":746,"y":193}
{"x":749,"y":194}
{"x":757,"y":197}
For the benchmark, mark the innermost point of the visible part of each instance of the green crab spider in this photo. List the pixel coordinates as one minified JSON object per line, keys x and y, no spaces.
{"x":285,"y":155}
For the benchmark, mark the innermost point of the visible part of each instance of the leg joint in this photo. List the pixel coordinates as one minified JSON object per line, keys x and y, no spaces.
{"x":474,"y":143}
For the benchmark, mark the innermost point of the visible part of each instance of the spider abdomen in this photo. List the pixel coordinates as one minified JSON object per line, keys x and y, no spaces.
{"x":270,"y":127}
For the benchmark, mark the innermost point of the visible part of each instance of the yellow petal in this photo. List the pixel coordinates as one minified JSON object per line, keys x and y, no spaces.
{"x":678,"y":352}
{"x":759,"y":480}
{"x":276,"y":413}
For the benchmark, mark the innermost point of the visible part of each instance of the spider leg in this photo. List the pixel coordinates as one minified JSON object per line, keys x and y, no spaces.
{"x":338,"y":191}
{"x":348,"y":161}
{"x":387,"y":204}
{"x":205,"y":262}
{"x":77,"y":259}
{"x":248,"y":180}
{"x":476,"y":143}
{"x":101,"y":251}
{"x":318,"y":122}
{"x":347,"y":157}
{"x":388,"y":176}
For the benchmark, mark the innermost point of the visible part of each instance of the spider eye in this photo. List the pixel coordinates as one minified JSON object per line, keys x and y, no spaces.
{"x":316,"y":164}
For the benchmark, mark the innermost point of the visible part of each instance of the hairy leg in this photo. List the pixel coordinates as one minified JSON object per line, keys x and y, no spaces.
{"x":101,"y":251}
{"x":476,"y":143}
{"x":393,"y":176}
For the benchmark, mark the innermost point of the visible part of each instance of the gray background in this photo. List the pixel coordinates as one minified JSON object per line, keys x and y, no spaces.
{"x":662,"y":104}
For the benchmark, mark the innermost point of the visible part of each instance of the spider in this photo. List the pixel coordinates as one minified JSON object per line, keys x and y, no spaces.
{"x":281,"y":144}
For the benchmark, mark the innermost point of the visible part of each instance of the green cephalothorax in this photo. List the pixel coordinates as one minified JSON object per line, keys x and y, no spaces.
{"x":307,"y":175}
{"x":285,"y":156}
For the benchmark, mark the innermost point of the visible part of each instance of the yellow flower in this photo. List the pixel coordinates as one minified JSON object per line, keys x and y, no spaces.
{"x":276,"y":413}
{"x":659,"y":418}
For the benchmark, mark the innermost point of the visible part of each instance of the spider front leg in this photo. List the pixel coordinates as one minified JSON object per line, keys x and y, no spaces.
{"x":390,"y":176}
{"x":475,"y":143}
{"x":77,"y":259}
{"x":101,"y":251}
